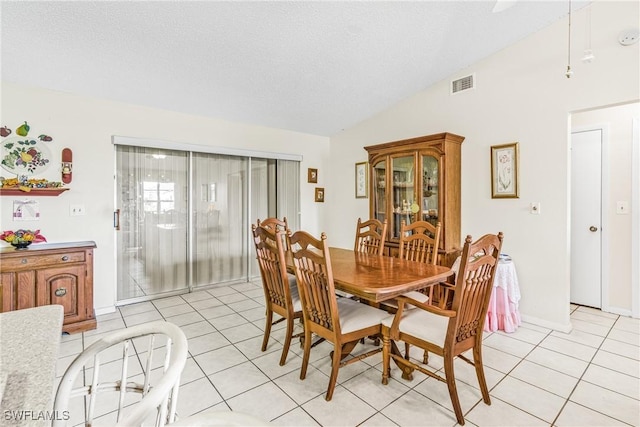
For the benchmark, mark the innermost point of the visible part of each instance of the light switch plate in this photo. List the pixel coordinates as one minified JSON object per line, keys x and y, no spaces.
{"x":534,"y":208}
{"x":76,"y":210}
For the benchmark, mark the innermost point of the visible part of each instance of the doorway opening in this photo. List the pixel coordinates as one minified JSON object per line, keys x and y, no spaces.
{"x":614,"y":197}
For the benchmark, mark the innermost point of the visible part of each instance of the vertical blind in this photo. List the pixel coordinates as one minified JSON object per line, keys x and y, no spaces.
{"x":186,"y":216}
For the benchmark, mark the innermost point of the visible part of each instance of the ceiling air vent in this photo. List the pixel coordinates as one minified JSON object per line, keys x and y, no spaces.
{"x":462,"y":84}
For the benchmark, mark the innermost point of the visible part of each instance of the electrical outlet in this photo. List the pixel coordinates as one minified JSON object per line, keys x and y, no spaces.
{"x":76,"y":210}
{"x":534,"y":208}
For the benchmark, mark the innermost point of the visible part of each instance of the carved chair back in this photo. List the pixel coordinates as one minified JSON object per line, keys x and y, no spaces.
{"x":473,"y":288}
{"x":419,"y":241}
{"x":315,"y":282}
{"x":270,"y":253}
{"x":370,"y":236}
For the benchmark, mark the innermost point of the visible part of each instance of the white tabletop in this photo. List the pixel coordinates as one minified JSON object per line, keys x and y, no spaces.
{"x":29,"y":342}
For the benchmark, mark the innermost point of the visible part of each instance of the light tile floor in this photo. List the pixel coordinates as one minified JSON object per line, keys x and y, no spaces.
{"x":536,"y":376}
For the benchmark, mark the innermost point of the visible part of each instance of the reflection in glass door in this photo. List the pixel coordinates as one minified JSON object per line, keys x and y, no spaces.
{"x":219,"y":231}
{"x":152,"y":242}
{"x":275,"y":190}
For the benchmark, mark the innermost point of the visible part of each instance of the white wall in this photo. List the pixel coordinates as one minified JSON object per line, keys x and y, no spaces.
{"x":86,"y":126}
{"x":522,"y":95}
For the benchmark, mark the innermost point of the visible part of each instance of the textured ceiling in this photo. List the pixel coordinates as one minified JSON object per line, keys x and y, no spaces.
{"x":313,"y":67}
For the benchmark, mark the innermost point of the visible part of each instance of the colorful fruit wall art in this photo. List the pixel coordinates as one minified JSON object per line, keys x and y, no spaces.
{"x":23,"y":130}
{"x":22,"y":154}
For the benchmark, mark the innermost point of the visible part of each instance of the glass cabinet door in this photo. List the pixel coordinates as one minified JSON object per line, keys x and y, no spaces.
{"x":403,"y":196}
{"x":430,"y":191}
{"x":379,"y":183}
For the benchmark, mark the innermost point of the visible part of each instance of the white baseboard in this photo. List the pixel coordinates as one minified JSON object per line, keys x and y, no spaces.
{"x":618,"y":310}
{"x":560,"y":327}
{"x":105,"y":310}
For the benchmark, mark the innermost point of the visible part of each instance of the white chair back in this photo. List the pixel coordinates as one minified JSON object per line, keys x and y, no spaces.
{"x":161,"y":399}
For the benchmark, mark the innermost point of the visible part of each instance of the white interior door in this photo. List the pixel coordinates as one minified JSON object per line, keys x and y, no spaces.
{"x":586,"y":213}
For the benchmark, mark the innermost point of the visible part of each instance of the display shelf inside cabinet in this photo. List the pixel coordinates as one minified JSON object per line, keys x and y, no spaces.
{"x":33,"y":192}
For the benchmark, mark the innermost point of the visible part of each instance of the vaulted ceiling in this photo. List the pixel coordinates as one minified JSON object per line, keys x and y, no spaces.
{"x":311,"y":66}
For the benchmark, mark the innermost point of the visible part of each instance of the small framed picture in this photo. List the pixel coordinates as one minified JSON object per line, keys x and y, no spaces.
{"x":362,"y":178}
{"x":312,"y":175}
{"x":319,"y":195}
{"x":504,"y":171}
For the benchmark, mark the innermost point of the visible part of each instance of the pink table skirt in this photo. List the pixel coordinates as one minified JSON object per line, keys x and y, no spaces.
{"x":503,"y":311}
{"x":503,"y":314}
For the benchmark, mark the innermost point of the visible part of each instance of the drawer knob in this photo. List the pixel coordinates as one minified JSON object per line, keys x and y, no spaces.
{"x":23,"y":261}
{"x":65,"y":258}
{"x":60,"y":292}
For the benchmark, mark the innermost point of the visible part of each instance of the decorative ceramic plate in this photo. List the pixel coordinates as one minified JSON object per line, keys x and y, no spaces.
{"x":23,"y":155}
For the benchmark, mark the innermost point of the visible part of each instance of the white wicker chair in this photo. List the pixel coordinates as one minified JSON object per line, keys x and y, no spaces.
{"x":161,"y":398}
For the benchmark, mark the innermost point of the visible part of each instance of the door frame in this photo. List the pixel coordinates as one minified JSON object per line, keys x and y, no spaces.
{"x":604,"y":202}
{"x":635,"y":219}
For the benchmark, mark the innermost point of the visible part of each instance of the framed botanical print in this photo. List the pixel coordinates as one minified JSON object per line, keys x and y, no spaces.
{"x":312,"y":175}
{"x":504,"y":171}
{"x":362,"y":174}
{"x":319,"y":196}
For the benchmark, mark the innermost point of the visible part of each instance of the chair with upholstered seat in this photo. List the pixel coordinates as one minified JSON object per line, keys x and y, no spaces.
{"x":370,"y":236}
{"x":280,"y":289}
{"x":451,"y":324}
{"x":341,"y":321}
{"x":159,"y":399}
{"x":418,"y":242}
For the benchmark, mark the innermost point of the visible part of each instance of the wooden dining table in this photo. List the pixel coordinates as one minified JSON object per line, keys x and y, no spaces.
{"x":377,"y":278}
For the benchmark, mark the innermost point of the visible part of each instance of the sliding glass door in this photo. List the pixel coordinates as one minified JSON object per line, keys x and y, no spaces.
{"x":151,"y":243}
{"x":185,"y":217}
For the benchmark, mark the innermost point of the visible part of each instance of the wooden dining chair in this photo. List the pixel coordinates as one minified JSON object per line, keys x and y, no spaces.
{"x":341,"y":321}
{"x":419,"y":241}
{"x":450,"y":324}
{"x":273,"y":223}
{"x":370,"y":236}
{"x":280,"y":288}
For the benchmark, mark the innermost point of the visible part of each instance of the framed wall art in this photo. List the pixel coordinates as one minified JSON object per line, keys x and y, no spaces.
{"x":312,"y":175}
{"x":505,"y":171}
{"x":362,"y":178}
{"x":319,"y":195}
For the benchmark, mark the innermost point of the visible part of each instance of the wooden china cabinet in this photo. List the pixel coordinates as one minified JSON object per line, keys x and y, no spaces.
{"x":418,"y":179}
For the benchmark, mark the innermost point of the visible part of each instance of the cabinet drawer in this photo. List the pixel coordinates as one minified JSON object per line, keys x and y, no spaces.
{"x":20,"y":263}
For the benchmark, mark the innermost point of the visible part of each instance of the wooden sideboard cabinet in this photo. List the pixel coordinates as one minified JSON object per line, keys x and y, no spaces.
{"x":418,"y":179}
{"x":50,"y":273}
